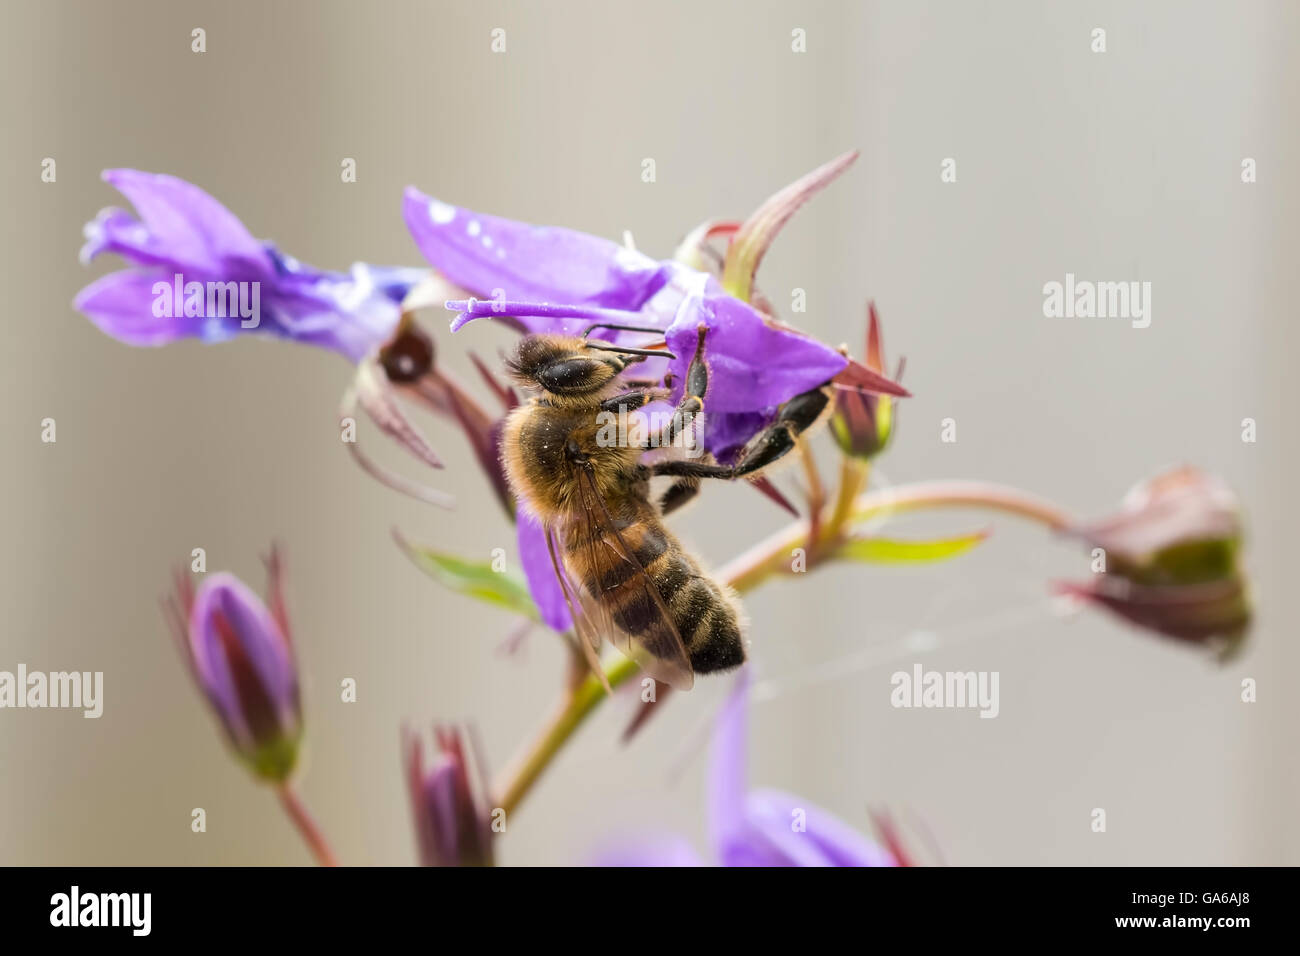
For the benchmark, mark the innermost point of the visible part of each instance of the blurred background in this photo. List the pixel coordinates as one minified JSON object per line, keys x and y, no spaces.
{"x":1122,"y":165}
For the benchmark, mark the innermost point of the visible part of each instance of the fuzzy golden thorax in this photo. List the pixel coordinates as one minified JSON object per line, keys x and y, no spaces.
{"x":544,"y":446}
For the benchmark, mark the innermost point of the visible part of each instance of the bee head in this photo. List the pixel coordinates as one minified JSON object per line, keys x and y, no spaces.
{"x":563,"y":365}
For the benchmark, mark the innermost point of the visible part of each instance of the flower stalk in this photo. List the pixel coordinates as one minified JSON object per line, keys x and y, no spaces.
{"x":306,"y":824}
{"x":764,"y":560}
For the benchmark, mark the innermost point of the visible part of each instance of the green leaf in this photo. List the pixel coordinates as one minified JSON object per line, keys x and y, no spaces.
{"x":892,"y":551}
{"x":475,"y":578}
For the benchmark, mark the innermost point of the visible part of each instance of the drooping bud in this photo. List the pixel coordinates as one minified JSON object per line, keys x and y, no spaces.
{"x":241,"y":657}
{"x":1172,"y":560}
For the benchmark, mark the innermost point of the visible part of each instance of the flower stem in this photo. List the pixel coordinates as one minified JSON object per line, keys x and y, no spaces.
{"x":306,"y":824}
{"x":769,"y":557}
{"x":816,"y":492}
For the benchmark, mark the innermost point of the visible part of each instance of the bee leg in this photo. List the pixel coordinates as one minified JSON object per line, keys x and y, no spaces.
{"x":630,"y":401}
{"x":692,"y":403}
{"x":778,"y":439}
{"x":767,"y":447}
{"x":678,"y":494}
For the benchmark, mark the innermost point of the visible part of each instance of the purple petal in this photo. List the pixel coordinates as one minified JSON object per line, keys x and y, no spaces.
{"x":121,"y":304}
{"x":185,"y":232}
{"x":539,"y":572}
{"x":825,"y":841}
{"x":728,"y":774}
{"x":180,"y":225}
{"x":752,"y":365}
{"x":350,"y":314}
{"x":117,"y":232}
{"x":727,"y":432}
{"x":667,"y":849}
{"x":738,"y":838}
{"x":484,"y":253}
{"x":768,"y":840}
{"x":540,"y":316}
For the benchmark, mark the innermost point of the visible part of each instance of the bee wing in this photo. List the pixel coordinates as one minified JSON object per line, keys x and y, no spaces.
{"x":654,"y":643}
{"x":587,"y":632}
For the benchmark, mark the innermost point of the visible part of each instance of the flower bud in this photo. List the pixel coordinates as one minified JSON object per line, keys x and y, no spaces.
{"x":862,"y":422}
{"x":240,"y":655}
{"x":1172,"y":560}
{"x":449,"y":800}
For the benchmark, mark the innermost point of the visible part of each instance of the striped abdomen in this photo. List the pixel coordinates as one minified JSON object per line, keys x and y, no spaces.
{"x":703,"y":615}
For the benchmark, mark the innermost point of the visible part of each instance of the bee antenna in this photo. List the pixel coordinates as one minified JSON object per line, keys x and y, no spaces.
{"x":619,"y":328}
{"x":651,"y":353}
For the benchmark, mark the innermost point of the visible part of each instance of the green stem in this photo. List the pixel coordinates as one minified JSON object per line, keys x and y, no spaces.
{"x":767,"y":558}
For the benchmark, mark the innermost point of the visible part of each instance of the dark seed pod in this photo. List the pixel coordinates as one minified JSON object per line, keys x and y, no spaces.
{"x":408,"y":356}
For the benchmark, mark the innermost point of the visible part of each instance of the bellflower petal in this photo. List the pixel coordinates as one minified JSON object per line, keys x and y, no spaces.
{"x":181,"y":225}
{"x":667,"y":849}
{"x":825,"y":838}
{"x":306,"y":304}
{"x":482,"y":253}
{"x":753,"y":366}
{"x":758,"y":828}
{"x":728,"y":771}
{"x":535,"y":556}
{"x":119,"y":304}
{"x":726,"y":433}
{"x":549,"y":279}
{"x":753,"y":828}
{"x":185,"y":237}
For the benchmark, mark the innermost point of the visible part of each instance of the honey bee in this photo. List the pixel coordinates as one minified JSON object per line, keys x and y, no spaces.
{"x":624,"y":575}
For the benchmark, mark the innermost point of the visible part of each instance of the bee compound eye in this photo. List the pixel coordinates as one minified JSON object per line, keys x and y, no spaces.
{"x":408,"y":356}
{"x":569,"y":374}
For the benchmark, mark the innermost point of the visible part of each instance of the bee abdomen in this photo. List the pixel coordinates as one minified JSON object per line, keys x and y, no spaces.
{"x":705,"y":619}
{"x":708,"y":624}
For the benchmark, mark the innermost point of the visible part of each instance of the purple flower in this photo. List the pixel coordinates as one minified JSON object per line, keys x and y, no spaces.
{"x":448,"y":798}
{"x":240,"y":654}
{"x":198,"y":273}
{"x":753,"y":827}
{"x":546,"y":278}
